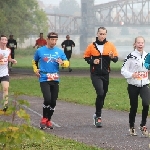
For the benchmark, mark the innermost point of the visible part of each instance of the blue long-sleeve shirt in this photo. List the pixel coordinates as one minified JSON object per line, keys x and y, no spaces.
{"x":48,"y":65}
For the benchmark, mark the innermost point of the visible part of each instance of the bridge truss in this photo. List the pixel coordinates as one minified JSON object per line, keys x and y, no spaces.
{"x":113,"y":14}
{"x":64,"y":24}
{"x":123,"y":12}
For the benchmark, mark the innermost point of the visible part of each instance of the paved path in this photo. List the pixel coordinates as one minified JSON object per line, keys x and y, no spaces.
{"x":75,"y":72}
{"x":75,"y":122}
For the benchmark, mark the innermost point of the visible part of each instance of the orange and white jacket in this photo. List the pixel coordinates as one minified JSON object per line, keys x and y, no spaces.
{"x":93,"y":52}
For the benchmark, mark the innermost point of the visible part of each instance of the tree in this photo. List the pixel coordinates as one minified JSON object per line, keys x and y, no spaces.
{"x":22,"y":18}
{"x":68,"y":7}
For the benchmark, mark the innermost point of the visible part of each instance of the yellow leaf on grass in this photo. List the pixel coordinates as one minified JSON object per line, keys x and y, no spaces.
{"x":1,"y":112}
{"x":22,"y":114}
{"x":13,"y":128}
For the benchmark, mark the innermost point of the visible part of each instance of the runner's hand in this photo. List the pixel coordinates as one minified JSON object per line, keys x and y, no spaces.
{"x":135,"y":75}
{"x":59,"y":61}
{"x":14,"y":61}
{"x":111,"y":55}
{"x":96,"y":61}
{"x":37,"y":73}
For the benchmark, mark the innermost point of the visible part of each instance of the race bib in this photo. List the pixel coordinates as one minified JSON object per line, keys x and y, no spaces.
{"x":11,"y":45}
{"x":52,"y":76}
{"x":3,"y":61}
{"x":68,"y":48}
{"x":142,"y":75}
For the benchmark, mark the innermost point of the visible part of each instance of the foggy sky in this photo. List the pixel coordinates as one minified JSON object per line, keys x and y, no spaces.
{"x":56,"y":2}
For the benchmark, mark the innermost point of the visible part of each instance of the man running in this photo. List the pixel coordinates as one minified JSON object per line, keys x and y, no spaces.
{"x":68,"y":45}
{"x":5,"y":57}
{"x":49,"y":58}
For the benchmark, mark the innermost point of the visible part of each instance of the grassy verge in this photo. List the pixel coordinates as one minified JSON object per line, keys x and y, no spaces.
{"x":79,"y":90}
{"x":52,"y":142}
{"x":25,"y":56}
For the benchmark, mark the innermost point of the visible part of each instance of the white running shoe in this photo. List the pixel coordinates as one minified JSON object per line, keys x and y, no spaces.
{"x":144,"y":131}
{"x":132,"y":131}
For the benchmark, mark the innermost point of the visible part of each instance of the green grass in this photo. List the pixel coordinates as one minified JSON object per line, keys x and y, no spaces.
{"x":79,"y":90}
{"x":25,"y":56}
{"x":53,"y":142}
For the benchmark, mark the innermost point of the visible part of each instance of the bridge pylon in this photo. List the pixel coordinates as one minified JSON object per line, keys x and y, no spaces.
{"x":87,"y":23}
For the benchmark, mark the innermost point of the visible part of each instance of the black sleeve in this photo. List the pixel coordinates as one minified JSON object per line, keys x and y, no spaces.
{"x":15,"y":42}
{"x":73,"y":43}
{"x":36,"y":62}
{"x":115,"y":59}
{"x":63,"y":43}
{"x":89,"y":60}
{"x":7,"y":44}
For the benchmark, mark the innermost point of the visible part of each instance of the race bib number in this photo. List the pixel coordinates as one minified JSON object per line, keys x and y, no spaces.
{"x":142,"y":75}
{"x":68,"y":48}
{"x":11,"y":45}
{"x":52,"y":76}
{"x":3,"y":61}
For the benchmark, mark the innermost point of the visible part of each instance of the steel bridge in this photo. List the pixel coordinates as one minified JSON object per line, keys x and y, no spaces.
{"x":64,"y":24}
{"x":127,"y":13}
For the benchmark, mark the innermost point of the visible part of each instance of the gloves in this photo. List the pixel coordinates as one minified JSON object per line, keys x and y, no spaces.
{"x":65,"y":64}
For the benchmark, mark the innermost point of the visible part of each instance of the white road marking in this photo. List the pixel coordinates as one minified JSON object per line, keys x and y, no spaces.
{"x":33,"y":111}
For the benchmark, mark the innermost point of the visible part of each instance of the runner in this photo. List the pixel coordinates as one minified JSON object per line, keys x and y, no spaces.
{"x":99,"y":55}
{"x":49,"y":58}
{"x":68,"y":45}
{"x":12,"y":44}
{"x":40,"y":41}
{"x":5,"y":57}
{"x":134,"y":71}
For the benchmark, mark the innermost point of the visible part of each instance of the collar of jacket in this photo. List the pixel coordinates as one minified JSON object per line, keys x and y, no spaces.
{"x":141,"y":53}
{"x":100,"y":42}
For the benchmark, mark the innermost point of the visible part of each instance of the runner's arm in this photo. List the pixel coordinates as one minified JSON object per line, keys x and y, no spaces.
{"x":147,"y":61}
{"x":87,"y":56}
{"x":65,"y":63}
{"x":115,"y":54}
{"x":125,"y":68}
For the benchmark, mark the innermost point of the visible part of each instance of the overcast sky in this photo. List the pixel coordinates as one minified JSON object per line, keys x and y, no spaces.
{"x":56,"y":2}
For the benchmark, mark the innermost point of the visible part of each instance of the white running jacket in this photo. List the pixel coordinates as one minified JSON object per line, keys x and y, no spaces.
{"x":134,"y":62}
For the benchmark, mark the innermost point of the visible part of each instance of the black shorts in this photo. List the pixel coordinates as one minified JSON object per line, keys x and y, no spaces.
{"x":4,"y":78}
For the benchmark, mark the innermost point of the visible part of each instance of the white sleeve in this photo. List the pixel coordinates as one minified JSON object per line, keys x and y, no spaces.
{"x":125,"y":68}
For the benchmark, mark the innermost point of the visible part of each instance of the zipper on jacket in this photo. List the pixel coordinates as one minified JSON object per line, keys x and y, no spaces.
{"x":142,"y":67}
{"x":101,"y":61}
{"x":100,"y":58}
